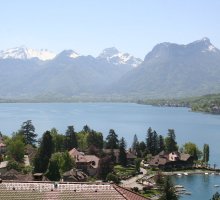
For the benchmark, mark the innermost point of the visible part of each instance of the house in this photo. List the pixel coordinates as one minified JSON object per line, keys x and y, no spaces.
{"x":87,"y":163}
{"x":74,"y":175}
{"x":171,"y":160}
{"x":130,"y":156}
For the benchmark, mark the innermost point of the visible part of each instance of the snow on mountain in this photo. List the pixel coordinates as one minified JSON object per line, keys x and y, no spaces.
{"x":68,"y":53}
{"x":112,"y":55}
{"x":27,"y":53}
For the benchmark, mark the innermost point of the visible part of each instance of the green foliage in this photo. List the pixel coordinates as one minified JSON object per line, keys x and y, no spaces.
{"x":206,"y":153}
{"x":44,"y":153}
{"x":124,"y":172}
{"x":170,"y":141}
{"x":112,"y":140}
{"x":70,"y":139}
{"x":137,"y":164}
{"x":58,"y":140}
{"x":53,"y":172}
{"x":122,"y":152}
{"x":105,"y":167}
{"x":28,"y":130}
{"x":168,"y":191}
{"x":216,"y":196}
{"x":12,"y":164}
{"x":95,"y":139}
{"x":192,"y":149}
{"x":16,"y":148}
{"x":64,"y":160}
{"x":155,"y":142}
{"x":112,"y":177}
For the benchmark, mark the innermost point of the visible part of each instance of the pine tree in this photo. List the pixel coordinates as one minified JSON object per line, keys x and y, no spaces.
{"x":206,"y":153}
{"x":44,"y":153}
{"x":161,"y":145}
{"x":170,"y":141}
{"x":154,"y":143}
{"x":28,"y":131}
{"x":70,"y":138}
{"x":112,"y":140}
{"x":149,"y":141}
{"x":122,"y":152}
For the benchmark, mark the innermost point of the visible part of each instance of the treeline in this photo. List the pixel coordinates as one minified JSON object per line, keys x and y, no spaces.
{"x":49,"y":154}
{"x":207,"y":103}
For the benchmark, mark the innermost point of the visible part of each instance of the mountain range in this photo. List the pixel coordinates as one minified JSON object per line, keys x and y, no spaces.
{"x":168,"y":71}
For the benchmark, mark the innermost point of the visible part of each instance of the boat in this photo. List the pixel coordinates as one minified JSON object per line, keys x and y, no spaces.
{"x":179,"y":174}
{"x":206,"y":173}
{"x":186,"y":174}
{"x":216,"y":185}
{"x":178,"y":186}
{"x":188,"y":193}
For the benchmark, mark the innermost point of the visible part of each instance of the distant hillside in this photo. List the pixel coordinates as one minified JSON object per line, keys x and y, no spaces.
{"x":208,"y":103}
{"x":172,"y":71}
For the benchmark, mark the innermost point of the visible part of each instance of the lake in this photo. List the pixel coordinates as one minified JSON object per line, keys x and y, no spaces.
{"x":200,"y":186}
{"x":126,"y":119}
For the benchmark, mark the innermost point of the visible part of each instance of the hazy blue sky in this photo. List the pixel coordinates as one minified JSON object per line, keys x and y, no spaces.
{"x":88,"y":26}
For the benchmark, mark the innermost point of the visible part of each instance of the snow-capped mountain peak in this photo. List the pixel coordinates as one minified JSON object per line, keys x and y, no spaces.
{"x":112,"y":55}
{"x":26,"y":53}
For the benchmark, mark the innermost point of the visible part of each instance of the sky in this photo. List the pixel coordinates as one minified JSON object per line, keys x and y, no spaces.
{"x":89,"y":26}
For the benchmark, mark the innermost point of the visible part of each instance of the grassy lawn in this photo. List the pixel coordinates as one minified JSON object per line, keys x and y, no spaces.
{"x":124,"y":172}
{"x":150,"y":193}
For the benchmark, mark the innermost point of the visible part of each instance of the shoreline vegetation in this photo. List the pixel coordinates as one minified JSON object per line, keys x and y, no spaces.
{"x":207,"y":104}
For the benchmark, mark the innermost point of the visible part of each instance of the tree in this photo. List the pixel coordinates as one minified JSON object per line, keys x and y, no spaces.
{"x":161,"y":145}
{"x":53,"y":172}
{"x":64,"y":160}
{"x":168,"y":191}
{"x":135,"y":143}
{"x":155,"y":139}
{"x":170,"y":141}
{"x":105,"y":167}
{"x":44,"y":153}
{"x":70,"y":140}
{"x":137,"y":164}
{"x":16,"y":148}
{"x":95,"y":139}
{"x":28,"y":130}
{"x":216,"y":196}
{"x":142,"y":147}
{"x":149,"y":141}
{"x":112,"y":177}
{"x":58,"y":140}
{"x":136,"y":147}
{"x":192,"y":149}
{"x":206,"y":153}
{"x":122,"y":152}
{"x":112,"y":140}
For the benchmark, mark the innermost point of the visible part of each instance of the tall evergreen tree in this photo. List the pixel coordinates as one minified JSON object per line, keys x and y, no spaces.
{"x":112,"y":140}
{"x":149,"y":141}
{"x":136,"y":146}
{"x":28,"y":131}
{"x":170,"y":141}
{"x":95,"y":139}
{"x":70,"y":140}
{"x":161,"y":145}
{"x":154,"y":143}
{"x":122,"y":152}
{"x":44,"y":153}
{"x":206,"y":153}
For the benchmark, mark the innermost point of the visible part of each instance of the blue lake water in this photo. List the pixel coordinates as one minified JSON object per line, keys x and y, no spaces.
{"x":200,"y":186}
{"x":126,"y":119}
